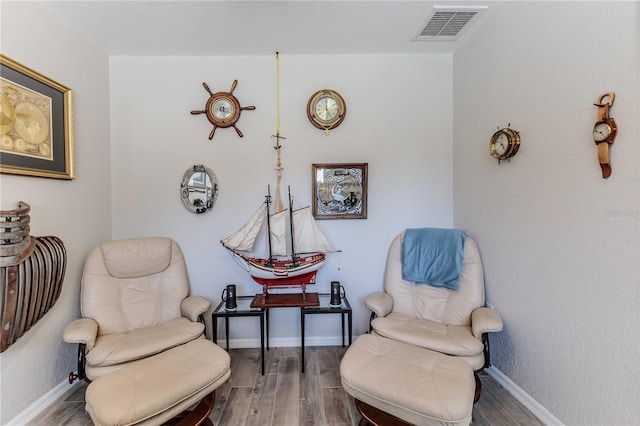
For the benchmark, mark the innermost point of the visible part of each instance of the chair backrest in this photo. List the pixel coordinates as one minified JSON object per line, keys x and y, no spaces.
{"x":132,"y":284}
{"x":436,"y":304}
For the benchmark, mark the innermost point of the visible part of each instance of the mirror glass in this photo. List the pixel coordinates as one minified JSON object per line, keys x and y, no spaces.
{"x":199,"y":189}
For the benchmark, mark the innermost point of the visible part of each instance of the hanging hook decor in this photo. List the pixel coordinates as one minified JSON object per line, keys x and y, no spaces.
{"x":604,"y":131}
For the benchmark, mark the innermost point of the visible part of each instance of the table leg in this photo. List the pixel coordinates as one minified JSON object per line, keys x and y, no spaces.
{"x":267,"y":312}
{"x":350,"y":326}
{"x":262,"y":341}
{"x":302,"y":315}
{"x":226,"y":330}
{"x":342,"y":319}
{"x":214,"y":332}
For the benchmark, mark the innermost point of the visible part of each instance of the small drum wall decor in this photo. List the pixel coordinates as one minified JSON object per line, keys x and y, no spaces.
{"x":31,"y":274}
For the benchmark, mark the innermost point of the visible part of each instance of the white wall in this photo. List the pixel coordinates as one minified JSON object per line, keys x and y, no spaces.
{"x":78,"y":211}
{"x":560,"y":243}
{"x":399,"y":121}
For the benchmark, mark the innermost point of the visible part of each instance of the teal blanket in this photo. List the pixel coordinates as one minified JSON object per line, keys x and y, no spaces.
{"x":433,"y":256}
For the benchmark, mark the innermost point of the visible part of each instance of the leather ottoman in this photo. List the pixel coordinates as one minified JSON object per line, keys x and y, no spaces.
{"x":156,"y":389}
{"x":420,"y":387}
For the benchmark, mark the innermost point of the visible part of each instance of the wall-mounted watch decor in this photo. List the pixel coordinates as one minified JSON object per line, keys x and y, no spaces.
{"x":339,"y":191}
{"x":222,"y":109}
{"x":199,"y":189}
{"x":36,"y":126}
{"x":504,"y":143}
{"x":326,"y":109}
{"x":604,"y":131}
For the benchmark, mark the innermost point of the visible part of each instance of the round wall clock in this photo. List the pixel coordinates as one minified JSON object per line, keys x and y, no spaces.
{"x":222,"y":109}
{"x":504,"y":144}
{"x":326,"y":109}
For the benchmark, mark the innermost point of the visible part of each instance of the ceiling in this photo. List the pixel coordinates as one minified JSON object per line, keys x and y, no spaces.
{"x":194,"y":28}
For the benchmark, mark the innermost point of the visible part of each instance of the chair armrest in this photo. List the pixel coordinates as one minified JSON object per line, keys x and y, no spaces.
{"x":194,"y":306}
{"x":380,"y":303}
{"x":484,"y":320}
{"x":83,"y":330}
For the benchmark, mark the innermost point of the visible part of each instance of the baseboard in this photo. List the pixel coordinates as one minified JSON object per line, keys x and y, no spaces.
{"x":525,"y":399}
{"x":42,"y":403}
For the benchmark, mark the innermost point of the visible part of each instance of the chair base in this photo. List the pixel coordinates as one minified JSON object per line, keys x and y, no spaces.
{"x":372,"y":416}
{"x":476,"y":395}
{"x":199,"y":416}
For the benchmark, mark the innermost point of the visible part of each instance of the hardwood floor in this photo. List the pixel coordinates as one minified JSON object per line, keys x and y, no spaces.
{"x":285,"y":397}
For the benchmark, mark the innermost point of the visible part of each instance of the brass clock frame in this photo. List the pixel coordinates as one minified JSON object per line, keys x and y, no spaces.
{"x":312,"y":109}
{"x":513,"y":144}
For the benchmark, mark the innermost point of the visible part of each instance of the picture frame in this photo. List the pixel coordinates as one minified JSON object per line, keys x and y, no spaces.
{"x":339,"y":190}
{"x":36,"y":125}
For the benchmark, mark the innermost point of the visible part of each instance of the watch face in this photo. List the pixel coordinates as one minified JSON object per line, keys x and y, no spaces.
{"x":222,"y":109}
{"x":601,"y":132}
{"x":500,"y":144}
{"x":327,"y":108}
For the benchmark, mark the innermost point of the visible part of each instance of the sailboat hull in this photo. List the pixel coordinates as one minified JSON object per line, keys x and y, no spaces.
{"x":283,"y":273}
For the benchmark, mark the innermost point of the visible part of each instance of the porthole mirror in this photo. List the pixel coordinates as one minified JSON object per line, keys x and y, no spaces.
{"x":199,"y":189}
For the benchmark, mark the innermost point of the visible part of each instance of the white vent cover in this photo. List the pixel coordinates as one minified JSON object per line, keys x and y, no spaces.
{"x":447,"y":22}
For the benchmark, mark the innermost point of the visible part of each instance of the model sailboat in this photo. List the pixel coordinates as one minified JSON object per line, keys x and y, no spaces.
{"x":281,"y":268}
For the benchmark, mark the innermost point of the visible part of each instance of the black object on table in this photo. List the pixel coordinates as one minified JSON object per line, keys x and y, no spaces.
{"x":325,"y":308}
{"x":244,"y":309}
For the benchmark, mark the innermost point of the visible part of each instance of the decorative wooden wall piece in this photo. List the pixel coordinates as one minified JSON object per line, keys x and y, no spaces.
{"x":31,"y":274}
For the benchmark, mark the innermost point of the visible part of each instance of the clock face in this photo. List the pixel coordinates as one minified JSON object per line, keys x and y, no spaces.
{"x":500,"y":144}
{"x":601,"y":132}
{"x":327,"y":109}
{"x":504,"y":144}
{"x":222,"y":109}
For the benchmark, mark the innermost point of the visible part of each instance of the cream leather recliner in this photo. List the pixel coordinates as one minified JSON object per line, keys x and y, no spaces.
{"x":135,"y":303}
{"x":452,"y":322}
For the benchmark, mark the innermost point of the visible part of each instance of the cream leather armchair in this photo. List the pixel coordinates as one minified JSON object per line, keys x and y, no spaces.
{"x":135,"y":303}
{"x":451,"y":322}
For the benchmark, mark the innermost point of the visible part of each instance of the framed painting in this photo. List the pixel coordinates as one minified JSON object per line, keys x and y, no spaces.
{"x":340,"y":191}
{"x":36,"y":133}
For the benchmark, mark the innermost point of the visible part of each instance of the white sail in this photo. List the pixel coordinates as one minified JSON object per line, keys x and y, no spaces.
{"x":278,"y":228}
{"x":245,"y":237}
{"x":308,"y":238}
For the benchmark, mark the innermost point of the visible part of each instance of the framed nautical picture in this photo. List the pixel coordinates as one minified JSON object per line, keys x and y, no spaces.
{"x":339,"y":191}
{"x":36,"y":134}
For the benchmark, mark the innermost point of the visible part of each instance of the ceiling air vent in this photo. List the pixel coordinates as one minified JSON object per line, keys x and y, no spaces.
{"x":447,"y":22}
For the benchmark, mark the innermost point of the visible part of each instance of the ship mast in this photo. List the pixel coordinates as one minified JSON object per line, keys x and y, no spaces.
{"x":293,"y":248}
{"x":267,"y":202}
{"x":278,"y":205}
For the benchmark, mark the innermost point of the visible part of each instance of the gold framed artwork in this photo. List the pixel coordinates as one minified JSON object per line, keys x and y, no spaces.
{"x":36,"y":127}
{"x":340,"y":191}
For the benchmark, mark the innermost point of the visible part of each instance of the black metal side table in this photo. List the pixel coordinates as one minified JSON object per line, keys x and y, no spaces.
{"x":325,"y":308}
{"x":244,"y":310}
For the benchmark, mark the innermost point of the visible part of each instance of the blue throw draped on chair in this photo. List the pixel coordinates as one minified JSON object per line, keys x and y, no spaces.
{"x":433,"y":256}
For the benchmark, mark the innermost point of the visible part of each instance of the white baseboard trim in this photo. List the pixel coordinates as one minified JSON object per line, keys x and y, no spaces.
{"x":42,"y":403}
{"x":525,"y":399}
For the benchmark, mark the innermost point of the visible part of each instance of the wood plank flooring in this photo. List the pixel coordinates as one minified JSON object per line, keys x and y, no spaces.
{"x":285,"y":397}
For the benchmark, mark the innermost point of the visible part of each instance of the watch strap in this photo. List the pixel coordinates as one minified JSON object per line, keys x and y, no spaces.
{"x":603,"y":159}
